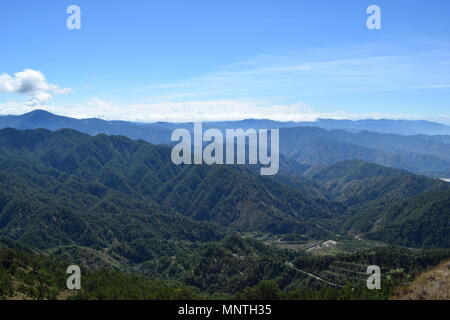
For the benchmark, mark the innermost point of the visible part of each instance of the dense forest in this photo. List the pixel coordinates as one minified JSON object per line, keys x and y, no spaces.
{"x":137,"y":223}
{"x":233,"y":269}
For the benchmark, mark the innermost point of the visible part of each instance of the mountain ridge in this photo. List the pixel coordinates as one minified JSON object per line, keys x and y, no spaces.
{"x":35,"y":118}
{"x":309,"y":146}
{"x":67,"y":174}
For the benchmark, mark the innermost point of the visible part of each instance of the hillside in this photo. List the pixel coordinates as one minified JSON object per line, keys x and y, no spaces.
{"x":421,"y":221}
{"x":362,"y":184}
{"x":430,"y":285}
{"x":234,"y":268}
{"x":392,"y":205}
{"x":91,"y":191}
{"x":111,"y":202}
{"x":239,"y":266}
{"x":106,"y":191}
{"x":309,"y":143}
{"x":28,"y":275}
{"x":40,"y":119}
{"x":233,"y":197}
{"x":315,"y":146}
{"x":398,"y":127}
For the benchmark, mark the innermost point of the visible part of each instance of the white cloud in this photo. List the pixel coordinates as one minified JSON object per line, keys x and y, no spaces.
{"x":192,"y":111}
{"x":31,"y":83}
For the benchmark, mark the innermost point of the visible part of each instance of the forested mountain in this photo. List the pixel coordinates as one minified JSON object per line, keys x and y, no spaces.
{"x":392,"y":205}
{"x":234,"y":268}
{"x":111,"y":202}
{"x":67,"y":188}
{"x":236,"y":263}
{"x":29,"y":275}
{"x":421,"y":221}
{"x":315,"y":146}
{"x":363,"y":184}
{"x":127,"y":196}
{"x":233,"y":197}
{"x":304,"y":142}
{"x":112,"y":192}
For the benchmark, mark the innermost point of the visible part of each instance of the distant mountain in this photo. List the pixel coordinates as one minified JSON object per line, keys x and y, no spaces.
{"x":40,"y":119}
{"x":422,"y":154}
{"x":315,"y":146}
{"x":159,"y":132}
{"x":400,"y":127}
{"x":356,"y":182}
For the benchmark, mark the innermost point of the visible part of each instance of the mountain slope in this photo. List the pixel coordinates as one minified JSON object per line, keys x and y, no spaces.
{"x":315,"y":146}
{"x":421,"y":154}
{"x":421,"y":221}
{"x":77,"y":179}
{"x":67,"y":188}
{"x":233,"y":196}
{"x":391,"y":205}
{"x":399,"y":127}
{"x":40,"y":119}
{"x":110,"y":193}
{"x":433,"y":284}
{"x":359,"y":183}
{"x":29,"y":275}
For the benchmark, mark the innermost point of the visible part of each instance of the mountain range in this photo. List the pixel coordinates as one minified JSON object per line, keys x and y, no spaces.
{"x":94,"y":191}
{"x":111,"y":201}
{"x":310,"y":146}
{"x":44,"y":119}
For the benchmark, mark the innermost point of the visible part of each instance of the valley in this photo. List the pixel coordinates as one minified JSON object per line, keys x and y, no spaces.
{"x":111,"y":203}
{"x":212,"y":157}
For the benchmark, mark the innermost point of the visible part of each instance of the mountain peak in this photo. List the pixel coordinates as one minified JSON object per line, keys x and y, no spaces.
{"x":38,"y":112}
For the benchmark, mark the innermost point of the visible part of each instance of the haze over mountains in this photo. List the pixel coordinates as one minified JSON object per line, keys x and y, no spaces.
{"x":339,"y":188}
{"x":81,"y":187}
{"x":44,"y":119}
{"x":306,"y":143}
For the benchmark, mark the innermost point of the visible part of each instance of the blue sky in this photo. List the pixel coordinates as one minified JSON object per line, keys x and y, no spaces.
{"x":216,"y":60}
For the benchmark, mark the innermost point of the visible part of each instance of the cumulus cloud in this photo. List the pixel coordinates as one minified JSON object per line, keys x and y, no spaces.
{"x":31,"y":83}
